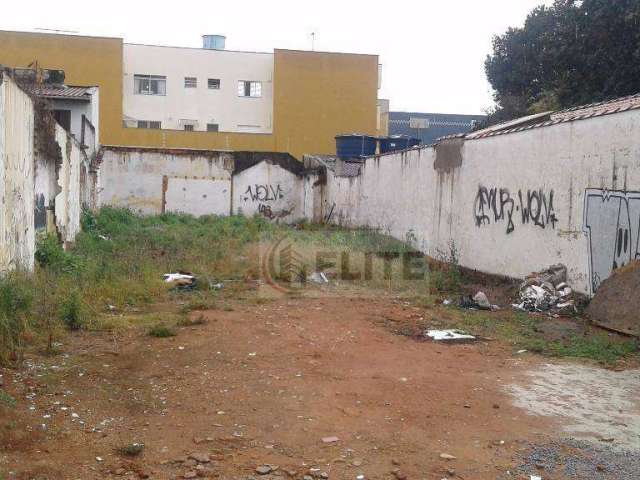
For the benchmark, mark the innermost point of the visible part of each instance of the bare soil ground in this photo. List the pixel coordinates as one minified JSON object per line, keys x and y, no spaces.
{"x":263,"y":382}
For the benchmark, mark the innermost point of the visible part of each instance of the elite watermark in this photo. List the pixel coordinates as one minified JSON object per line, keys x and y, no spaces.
{"x":289,"y":264}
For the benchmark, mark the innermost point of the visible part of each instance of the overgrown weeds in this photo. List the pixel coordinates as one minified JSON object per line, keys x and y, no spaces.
{"x":162,"y":331}
{"x":118,"y":261}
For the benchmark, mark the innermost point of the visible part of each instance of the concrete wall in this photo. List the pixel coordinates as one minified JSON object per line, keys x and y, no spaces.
{"x":153,"y":181}
{"x":40,"y":172}
{"x":68,"y":202}
{"x":513,"y":203}
{"x":223,"y":106}
{"x":46,"y":189}
{"x":17,"y":230}
{"x":269,"y":190}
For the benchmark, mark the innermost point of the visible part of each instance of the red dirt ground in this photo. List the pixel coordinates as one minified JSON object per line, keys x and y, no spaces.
{"x":263,"y":384}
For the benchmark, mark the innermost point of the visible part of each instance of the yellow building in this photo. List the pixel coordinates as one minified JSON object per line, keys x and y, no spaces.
{"x":211,"y":98}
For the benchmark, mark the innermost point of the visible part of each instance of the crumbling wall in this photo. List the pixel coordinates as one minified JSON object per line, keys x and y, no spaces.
{"x":17,"y":231}
{"x":511,"y":204}
{"x":68,"y":202}
{"x":154,"y":181}
{"x":199,"y":182}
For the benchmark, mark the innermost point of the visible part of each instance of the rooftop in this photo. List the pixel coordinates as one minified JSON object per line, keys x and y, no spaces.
{"x":63,"y":92}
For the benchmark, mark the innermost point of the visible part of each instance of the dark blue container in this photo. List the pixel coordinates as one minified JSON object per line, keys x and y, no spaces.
{"x":397,"y":142}
{"x":355,"y":145}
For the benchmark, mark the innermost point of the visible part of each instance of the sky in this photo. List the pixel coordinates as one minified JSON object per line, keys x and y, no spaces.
{"x":432,"y":52}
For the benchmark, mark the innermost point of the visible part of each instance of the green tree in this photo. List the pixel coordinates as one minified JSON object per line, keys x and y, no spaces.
{"x":571,"y":53}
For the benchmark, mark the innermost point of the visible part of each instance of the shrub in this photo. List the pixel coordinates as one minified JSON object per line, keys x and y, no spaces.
{"x":161,"y":331}
{"x":16,"y":298}
{"x":49,"y":253}
{"x":72,"y":311}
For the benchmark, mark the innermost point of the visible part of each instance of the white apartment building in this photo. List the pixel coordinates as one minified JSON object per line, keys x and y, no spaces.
{"x":199,"y":89}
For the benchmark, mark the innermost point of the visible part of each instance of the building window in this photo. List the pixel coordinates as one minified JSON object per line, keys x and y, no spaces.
{"x":150,"y":84}
{"x":149,"y":124}
{"x":212,"y":127}
{"x":188,"y":128}
{"x":249,"y":89}
{"x":214,"y":83}
{"x":190,"y":82}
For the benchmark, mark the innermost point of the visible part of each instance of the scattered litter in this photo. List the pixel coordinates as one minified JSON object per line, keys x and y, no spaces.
{"x":318,"y":277}
{"x":446,"y":456}
{"x":482,"y":301}
{"x":181,"y":280}
{"x":547,"y":291}
{"x":330,"y":439}
{"x":104,"y":237}
{"x":535,"y":477}
{"x":264,"y":470}
{"x":479,"y":301}
{"x":449,"y":336}
{"x":520,"y":352}
{"x":447,"y":301}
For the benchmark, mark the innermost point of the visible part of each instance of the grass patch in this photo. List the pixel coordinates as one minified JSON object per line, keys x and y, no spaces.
{"x":601,"y":348}
{"x":526,"y":332}
{"x":7,"y":400}
{"x":162,"y":331}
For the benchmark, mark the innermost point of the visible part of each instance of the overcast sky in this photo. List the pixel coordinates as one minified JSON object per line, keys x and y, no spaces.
{"x":431,"y":51}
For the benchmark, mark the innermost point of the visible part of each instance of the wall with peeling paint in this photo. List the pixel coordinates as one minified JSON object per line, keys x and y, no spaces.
{"x":17,"y":230}
{"x":35,"y":192}
{"x":68,"y":202}
{"x":201,"y":182}
{"x":153,"y":181}
{"x":46,"y":189}
{"x":511,"y":204}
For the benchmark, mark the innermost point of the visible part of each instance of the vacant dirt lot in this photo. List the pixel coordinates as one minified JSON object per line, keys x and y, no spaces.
{"x":265,"y":383}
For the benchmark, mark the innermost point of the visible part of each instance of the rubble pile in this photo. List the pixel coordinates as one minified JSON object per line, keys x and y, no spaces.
{"x":547,"y":291}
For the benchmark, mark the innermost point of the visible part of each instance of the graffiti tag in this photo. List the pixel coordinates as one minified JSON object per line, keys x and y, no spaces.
{"x":498,"y":205}
{"x":612,"y":223}
{"x":263,"y":193}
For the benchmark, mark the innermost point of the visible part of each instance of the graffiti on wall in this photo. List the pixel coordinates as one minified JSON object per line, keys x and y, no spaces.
{"x":612,"y":223}
{"x":268,"y":199}
{"x":527,"y":207}
{"x":263,"y":193}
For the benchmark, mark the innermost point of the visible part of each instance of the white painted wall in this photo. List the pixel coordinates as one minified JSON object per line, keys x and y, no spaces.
{"x":269,"y":190}
{"x":198,"y":196}
{"x":68,"y":201}
{"x":404,"y":195}
{"x":17,"y":231}
{"x":224,"y":107}
{"x":46,"y":189}
{"x":135,"y":178}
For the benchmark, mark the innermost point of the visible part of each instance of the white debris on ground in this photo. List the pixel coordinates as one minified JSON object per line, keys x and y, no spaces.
{"x":449,"y":335}
{"x":547,"y":291}
{"x":183,"y":280}
{"x":318,"y":277}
